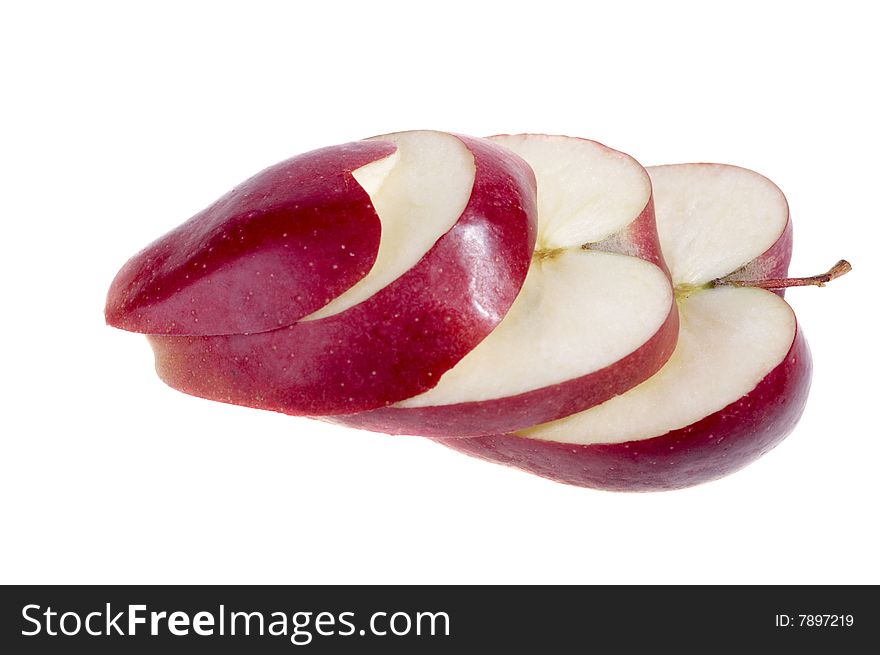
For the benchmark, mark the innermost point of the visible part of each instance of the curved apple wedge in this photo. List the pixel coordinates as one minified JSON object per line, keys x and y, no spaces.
{"x":739,"y":377}
{"x":458,"y":229}
{"x":718,"y":404}
{"x":595,"y":317}
{"x":275,"y":249}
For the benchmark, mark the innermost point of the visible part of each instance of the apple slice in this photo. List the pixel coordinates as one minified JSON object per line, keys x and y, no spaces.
{"x":264,"y":255}
{"x":739,"y":377}
{"x":458,"y":229}
{"x":595,"y":316}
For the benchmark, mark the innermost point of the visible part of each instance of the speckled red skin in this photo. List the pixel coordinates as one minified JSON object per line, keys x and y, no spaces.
{"x":500,"y":415}
{"x":715,"y":446}
{"x":526,"y":409}
{"x":266,"y":254}
{"x":397,"y":343}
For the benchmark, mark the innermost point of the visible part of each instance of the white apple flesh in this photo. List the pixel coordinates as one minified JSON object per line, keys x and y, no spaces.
{"x":739,"y":377}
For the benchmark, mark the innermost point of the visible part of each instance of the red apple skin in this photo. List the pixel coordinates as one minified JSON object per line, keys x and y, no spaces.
{"x":398,"y":342}
{"x":639,"y":239}
{"x":526,"y":409}
{"x":266,"y":254}
{"x":713,"y":447}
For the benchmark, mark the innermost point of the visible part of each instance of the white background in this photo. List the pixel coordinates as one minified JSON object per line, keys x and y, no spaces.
{"x":119,"y":122}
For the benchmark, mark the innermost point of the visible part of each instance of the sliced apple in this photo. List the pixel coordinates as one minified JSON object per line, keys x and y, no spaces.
{"x":458,"y":230}
{"x":720,"y":221}
{"x":265,"y":255}
{"x":595,"y":316}
{"x":739,"y":378}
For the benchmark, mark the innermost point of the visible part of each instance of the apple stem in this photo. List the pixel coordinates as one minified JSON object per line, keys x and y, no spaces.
{"x":840,"y":268}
